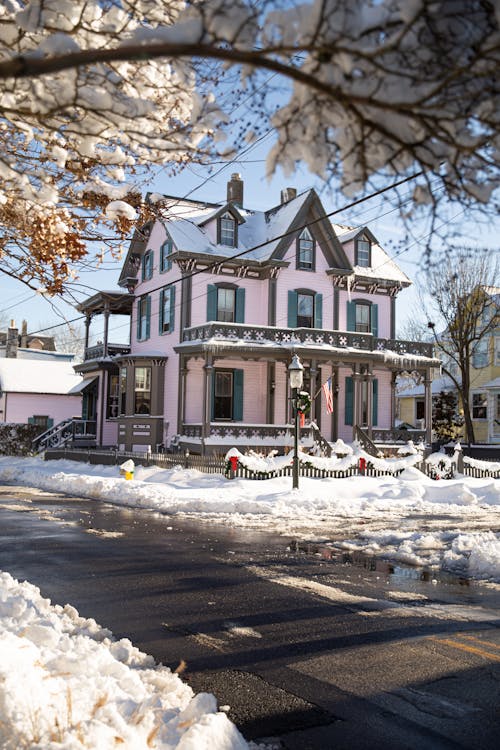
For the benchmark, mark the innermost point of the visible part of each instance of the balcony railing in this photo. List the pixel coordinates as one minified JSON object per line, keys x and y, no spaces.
{"x":248,"y":433}
{"x":248,"y":334}
{"x":97,"y":351}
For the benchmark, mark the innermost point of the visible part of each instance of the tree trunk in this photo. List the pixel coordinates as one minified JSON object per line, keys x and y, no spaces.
{"x":465,"y":394}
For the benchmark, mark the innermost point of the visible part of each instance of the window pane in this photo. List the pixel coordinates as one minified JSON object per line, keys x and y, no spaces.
{"x":223,"y":403}
{"x":363,"y":318}
{"x":479,"y":405}
{"x":225,"y":304}
{"x":166,"y":249}
{"x":114,"y":388}
{"x":165,"y":312}
{"x":227,"y":230}
{"x":305,"y":310}
{"x":306,"y":250}
{"x":142,"y":390}
{"x":123,"y":390}
{"x":363,"y":253}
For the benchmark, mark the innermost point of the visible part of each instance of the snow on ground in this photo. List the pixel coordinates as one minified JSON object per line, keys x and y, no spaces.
{"x":448,"y":524}
{"x":65,"y":683}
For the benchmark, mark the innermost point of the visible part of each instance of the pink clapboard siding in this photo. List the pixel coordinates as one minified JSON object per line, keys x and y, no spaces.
{"x":256,"y":298}
{"x":384,"y":310}
{"x":21,"y":406}
{"x":254,"y":389}
{"x":384,"y":402}
{"x":291,"y":278}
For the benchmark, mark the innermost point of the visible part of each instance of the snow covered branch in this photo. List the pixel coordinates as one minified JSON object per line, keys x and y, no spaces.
{"x":94,"y":91}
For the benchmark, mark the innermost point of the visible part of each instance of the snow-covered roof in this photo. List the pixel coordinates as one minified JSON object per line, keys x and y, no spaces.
{"x":40,"y":354}
{"x":259,"y":228}
{"x":493,"y":383}
{"x":382,"y":266}
{"x":439,"y":384}
{"x":37,"y":376}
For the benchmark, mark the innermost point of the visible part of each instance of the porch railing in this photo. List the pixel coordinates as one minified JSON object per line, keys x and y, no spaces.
{"x":68,"y":431}
{"x":248,"y":433}
{"x":97,"y":351}
{"x":248,"y":334}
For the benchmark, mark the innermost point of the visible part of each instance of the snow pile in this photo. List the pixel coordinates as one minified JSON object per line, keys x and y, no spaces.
{"x":484,"y":465}
{"x":473,"y":555}
{"x":338,"y":509}
{"x":349,"y":457}
{"x":66,"y":684}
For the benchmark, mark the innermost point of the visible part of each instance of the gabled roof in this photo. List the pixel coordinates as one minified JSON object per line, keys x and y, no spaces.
{"x":37,"y":376}
{"x":222,"y":210}
{"x":306,"y":209}
{"x":263,"y":236}
{"x":382,"y":266}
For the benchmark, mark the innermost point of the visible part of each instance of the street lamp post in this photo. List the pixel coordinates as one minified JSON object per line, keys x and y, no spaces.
{"x":296,"y":374}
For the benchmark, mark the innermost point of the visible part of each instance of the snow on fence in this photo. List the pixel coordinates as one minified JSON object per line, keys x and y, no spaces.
{"x":251,"y":468}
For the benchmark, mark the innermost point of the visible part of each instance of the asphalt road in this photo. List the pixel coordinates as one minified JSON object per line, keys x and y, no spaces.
{"x":316,"y":653}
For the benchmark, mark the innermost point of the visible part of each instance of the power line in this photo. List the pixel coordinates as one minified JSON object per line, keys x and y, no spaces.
{"x":261,"y":245}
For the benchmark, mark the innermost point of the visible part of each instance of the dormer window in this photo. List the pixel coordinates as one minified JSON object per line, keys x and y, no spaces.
{"x":227,"y":230}
{"x":305,"y":251}
{"x":363,"y":252}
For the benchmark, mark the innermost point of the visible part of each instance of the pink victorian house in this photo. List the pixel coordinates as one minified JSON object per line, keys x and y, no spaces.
{"x":220,"y":298}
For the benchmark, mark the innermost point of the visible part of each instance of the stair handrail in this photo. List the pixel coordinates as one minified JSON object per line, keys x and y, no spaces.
{"x":44,"y":436}
{"x":366,"y":441}
{"x":318,"y":437}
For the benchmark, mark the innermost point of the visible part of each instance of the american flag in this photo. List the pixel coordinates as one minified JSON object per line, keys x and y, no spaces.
{"x":327,"y":390}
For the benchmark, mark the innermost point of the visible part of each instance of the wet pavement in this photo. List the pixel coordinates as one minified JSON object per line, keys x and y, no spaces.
{"x":317,"y":651}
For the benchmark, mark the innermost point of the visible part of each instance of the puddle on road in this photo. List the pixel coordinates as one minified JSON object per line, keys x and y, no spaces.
{"x":377,"y":564}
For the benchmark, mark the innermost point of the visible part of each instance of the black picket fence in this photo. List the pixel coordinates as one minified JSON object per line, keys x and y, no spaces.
{"x":218,"y":465}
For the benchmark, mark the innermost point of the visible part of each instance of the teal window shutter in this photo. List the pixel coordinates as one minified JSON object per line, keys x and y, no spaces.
{"x":211,"y":302}
{"x":160,"y":314}
{"x":292,"y":309}
{"x":50,"y":423}
{"x":239,"y":316}
{"x":172,"y":308}
{"x":238,"y":395}
{"x":31,"y":420}
{"x":374,"y":320}
{"x":375,"y":403}
{"x":349,"y":400}
{"x":318,"y":311}
{"x":351,"y":317}
{"x":148,"y":315}
{"x":138,"y":336}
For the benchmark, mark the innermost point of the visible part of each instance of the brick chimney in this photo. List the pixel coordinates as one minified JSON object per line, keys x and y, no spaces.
{"x":288,"y":194}
{"x":11,"y":342}
{"x":24,"y":335}
{"x":235,"y":190}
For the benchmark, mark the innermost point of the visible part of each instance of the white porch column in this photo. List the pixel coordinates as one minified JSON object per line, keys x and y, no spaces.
{"x":428,"y":406}
{"x":208,"y":370}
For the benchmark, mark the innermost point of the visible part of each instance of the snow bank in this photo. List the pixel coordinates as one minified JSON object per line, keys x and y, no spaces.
{"x":335,"y":509}
{"x":66,"y":684}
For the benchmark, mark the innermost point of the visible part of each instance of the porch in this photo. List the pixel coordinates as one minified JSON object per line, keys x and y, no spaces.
{"x":362,"y":368}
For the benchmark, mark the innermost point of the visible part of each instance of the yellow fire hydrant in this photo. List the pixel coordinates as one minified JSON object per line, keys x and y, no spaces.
{"x":127,"y":469}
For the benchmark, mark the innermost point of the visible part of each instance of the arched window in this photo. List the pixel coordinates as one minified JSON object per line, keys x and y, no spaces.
{"x":305,"y":251}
